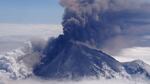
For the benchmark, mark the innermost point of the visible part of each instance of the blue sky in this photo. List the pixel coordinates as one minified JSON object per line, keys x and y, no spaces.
{"x":30,"y":11}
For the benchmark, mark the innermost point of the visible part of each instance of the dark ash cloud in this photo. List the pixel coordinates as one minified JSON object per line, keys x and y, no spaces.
{"x":94,"y":21}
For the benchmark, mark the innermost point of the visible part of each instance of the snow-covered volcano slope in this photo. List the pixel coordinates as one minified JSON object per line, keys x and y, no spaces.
{"x":137,"y":69}
{"x":75,"y":60}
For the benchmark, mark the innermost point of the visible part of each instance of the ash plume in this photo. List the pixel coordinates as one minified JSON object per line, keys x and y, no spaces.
{"x":94,"y":21}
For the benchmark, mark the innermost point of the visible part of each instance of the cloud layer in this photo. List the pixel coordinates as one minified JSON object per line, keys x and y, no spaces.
{"x":103,"y":81}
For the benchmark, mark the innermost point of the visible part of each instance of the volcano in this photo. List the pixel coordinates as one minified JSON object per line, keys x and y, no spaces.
{"x":87,"y":24}
{"x":75,"y":60}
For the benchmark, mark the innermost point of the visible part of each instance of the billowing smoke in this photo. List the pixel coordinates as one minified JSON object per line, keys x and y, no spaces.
{"x":94,"y":21}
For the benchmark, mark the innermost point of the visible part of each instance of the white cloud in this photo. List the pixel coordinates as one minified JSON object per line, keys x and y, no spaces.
{"x":44,"y":30}
{"x":13,"y":36}
{"x":134,"y":53}
{"x":103,"y":81}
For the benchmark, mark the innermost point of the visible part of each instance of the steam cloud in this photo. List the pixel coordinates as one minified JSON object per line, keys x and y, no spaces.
{"x":94,"y":21}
